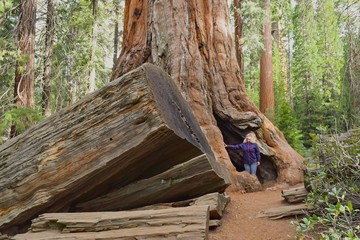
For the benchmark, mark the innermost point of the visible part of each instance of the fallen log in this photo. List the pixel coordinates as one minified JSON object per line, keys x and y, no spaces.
{"x":174,"y":223}
{"x":285,"y":211}
{"x":294,"y":195}
{"x":217,"y":203}
{"x":132,"y":129}
{"x":181,"y":182}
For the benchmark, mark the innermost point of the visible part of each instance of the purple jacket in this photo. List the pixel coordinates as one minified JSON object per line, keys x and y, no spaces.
{"x":251,"y":153}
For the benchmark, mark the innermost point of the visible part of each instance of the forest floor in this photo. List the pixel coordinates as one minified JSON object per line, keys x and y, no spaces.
{"x":239,"y":221}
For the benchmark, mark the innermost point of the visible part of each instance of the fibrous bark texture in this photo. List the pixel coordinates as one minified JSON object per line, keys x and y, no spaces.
{"x":123,"y":134}
{"x":24,"y":86}
{"x":266,"y":80}
{"x":192,"y":41}
{"x":49,"y":42}
{"x":24,"y":76}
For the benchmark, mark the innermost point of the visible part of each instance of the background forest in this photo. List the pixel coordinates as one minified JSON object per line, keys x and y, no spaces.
{"x":314,"y":44}
{"x":299,"y":59}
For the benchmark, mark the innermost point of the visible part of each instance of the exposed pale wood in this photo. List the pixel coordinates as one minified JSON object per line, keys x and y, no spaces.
{"x":177,"y":223}
{"x":294,"y":195}
{"x":190,"y":179}
{"x":216,"y":201}
{"x":4,"y":237}
{"x":127,"y":131}
{"x":188,"y":232}
{"x":214,"y":223}
{"x":285,"y":211}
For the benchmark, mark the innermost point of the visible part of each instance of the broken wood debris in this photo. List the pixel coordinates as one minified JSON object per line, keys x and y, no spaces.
{"x":285,"y":211}
{"x":294,"y":195}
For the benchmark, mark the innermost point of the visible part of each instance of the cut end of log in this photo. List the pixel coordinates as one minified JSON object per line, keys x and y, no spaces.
{"x":137,"y":128}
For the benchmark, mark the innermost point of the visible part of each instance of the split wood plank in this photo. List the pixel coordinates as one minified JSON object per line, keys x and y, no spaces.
{"x":295,"y":195}
{"x":216,"y":201}
{"x":187,"y":180}
{"x":146,"y":224}
{"x":285,"y":211}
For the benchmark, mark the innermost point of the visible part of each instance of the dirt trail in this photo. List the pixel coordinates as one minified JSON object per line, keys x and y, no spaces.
{"x":240,"y":223}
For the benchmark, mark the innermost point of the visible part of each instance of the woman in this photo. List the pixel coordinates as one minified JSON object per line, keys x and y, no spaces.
{"x":251,"y":153}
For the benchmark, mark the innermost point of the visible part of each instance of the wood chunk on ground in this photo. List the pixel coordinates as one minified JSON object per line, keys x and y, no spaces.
{"x":216,"y":201}
{"x":174,"y":223}
{"x":285,"y":211}
{"x":295,"y":195}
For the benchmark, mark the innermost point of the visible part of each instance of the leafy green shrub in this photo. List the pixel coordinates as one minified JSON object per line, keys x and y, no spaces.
{"x":21,"y":118}
{"x":334,"y":189}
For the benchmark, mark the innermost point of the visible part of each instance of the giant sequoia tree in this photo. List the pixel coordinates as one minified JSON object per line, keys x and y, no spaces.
{"x":192,"y":41}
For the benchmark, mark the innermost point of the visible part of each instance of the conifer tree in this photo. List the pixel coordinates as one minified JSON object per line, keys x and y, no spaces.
{"x":331,"y":62}
{"x":49,"y":47}
{"x":306,"y":69}
{"x":266,"y":80}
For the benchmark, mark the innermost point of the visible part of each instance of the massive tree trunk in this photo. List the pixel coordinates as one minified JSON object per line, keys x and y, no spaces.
{"x":266,"y":80}
{"x":49,"y":42}
{"x":192,"y":41}
{"x":24,"y":74}
{"x":126,"y":145}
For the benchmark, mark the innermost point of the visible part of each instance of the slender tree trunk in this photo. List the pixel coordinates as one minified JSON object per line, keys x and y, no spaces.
{"x":276,"y":33}
{"x":266,"y":80}
{"x":24,"y":74}
{"x":116,"y":32}
{"x":289,"y":66}
{"x":353,"y":69}
{"x":92,"y":78}
{"x":192,"y":41}
{"x":49,"y":42}
{"x":238,"y":36}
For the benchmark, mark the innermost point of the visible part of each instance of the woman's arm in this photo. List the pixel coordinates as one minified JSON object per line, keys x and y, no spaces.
{"x":233,"y":146}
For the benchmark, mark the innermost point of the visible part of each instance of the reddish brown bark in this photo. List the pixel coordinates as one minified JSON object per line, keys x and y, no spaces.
{"x":276,"y":33}
{"x":24,"y":74}
{"x":266,"y":80}
{"x":191,"y":40}
{"x":238,"y":36}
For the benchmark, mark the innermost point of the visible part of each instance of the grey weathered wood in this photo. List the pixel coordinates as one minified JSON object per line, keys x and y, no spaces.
{"x":4,"y":237}
{"x":294,"y":195}
{"x":214,"y":223}
{"x":133,"y":128}
{"x":216,"y":201}
{"x":285,"y":211}
{"x":187,"y":180}
{"x":176,"y":223}
{"x":156,"y":233}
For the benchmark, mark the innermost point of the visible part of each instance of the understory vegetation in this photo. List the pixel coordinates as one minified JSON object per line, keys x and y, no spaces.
{"x":334,"y":183}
